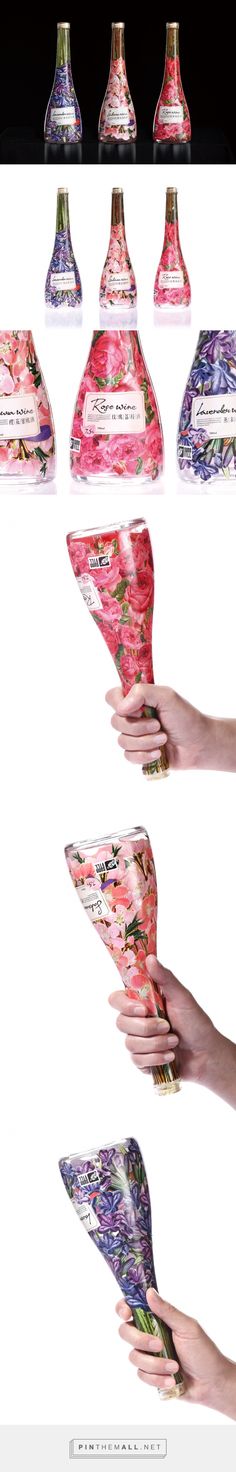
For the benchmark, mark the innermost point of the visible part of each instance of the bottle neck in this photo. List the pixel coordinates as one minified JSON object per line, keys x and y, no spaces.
{"x":63,"y":45}
{"x":63,"y":217}
{"x":117,"y":208}
{"x":117,"y":42}
{"x":172,"y":41}
{"x":171,"y":217}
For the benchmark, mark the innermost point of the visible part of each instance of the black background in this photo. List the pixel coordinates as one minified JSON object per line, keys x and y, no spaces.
{"x":207,"y":58}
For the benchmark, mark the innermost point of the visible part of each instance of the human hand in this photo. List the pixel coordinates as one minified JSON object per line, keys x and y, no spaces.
{"x":210,"y":1378}
{"x":189,"y":1036}
{"x":184,"y":731}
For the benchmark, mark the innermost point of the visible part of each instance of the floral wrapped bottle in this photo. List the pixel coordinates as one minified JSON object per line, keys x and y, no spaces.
{"x":63,"y":118}
{"x":172,"y":285}
{"x":172,"y":120}
{"x":117,"y":122}
{"x":206,"y":446}
{"x":115,"y":879}
{"x":118,"y":285}
{"x":109,"y":1189}
{"x":116,"y":427}
{"x":27,"y":440}
{"x":63,"y":284}
{"x":114,"y":570}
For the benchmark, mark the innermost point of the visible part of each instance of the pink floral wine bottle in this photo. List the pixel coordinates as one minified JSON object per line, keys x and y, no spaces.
{"x":114,"y":571}
{"x":116,"y":427}
{"x":109,"y":1190}
{"x":117,"y":122}
{"x":172,"y":285}
{"x":172,"y":120}
{"x":118,"y":285}
{"x":63,"y":118}
{"x":63,"y":285}
{"x":115,"y":879}
{"x":27,"y":438}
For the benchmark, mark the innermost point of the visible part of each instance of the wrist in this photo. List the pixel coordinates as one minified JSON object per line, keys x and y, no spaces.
{"x":219,"y":1071}
{"x":217,"y":751}
{"x":224,"y":1392}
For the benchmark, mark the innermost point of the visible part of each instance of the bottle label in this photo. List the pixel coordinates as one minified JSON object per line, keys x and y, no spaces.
{"x":94,"y":903}
{"x":216,"y":414}
{"x":172,"y":114}
{"x":99,"y":561}
{"x":63,"y":281}
{"x":89,"y":1177}
{"x":115,"y":413}
{"x":171,"y":280}
{"x":63,"y":116}
{"x":87,"y":1216}
{"x":119,"y":283}
{"x":19,"y":417}
{"x":117,"y":115}
{"x":89,"y":592}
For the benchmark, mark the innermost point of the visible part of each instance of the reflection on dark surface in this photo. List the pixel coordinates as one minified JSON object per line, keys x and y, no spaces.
{"x":59,"y":153}
{"x":172,"y":153}
{"x":20,"y":146}
{"x":117,"y":153}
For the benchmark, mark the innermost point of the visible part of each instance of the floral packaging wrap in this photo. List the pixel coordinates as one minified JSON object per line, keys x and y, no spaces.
{"x":117,"y":122}
{"x":114,"y":570}
{"x":109,"y":1191}
{"x":118,"y":285}
{"x":206,"y":447}
{"x":63,"y":117}
{"x":172,"y":286}
{"x":172,"y":120}
{"x":27,"y":441}
{"x":115,"y":879}
{"x":63,"y":284}
{"x":116,"y":428}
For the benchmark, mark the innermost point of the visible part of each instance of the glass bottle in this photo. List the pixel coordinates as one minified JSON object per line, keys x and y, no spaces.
{"x":118,"y":285}
{"x":172,"y":285}
{"x":117,"y":122}
{"x":63,"y":118}
{"x":27,"y":439}
{"x":172,"y":121}
{"x":109,"y":1189}
{"x":206,"y":447}
{"x":63,"y":284}
{"x":116,"y":427}
{"x":114,"y":570}
{"x":115,"y":879}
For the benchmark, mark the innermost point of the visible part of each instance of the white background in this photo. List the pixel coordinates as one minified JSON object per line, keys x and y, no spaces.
{"x":66,"y":1080}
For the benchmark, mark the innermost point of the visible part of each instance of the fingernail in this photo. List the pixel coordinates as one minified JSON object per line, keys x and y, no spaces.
{"x":139,"y":1010}
{"x":168,"y":1057}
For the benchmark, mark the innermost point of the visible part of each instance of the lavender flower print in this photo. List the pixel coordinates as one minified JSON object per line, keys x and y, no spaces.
{"x":206,"y":447}
{"x":63,"y":122}
{"x":63,"y":285}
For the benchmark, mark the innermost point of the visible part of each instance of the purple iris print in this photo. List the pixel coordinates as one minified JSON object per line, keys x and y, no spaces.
{"x":206,"y":447}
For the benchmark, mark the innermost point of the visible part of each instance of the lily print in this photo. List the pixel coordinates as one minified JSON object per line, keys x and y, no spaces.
{"x":172,"y":285}
{"x":206,"y":448}
{"x":109,"y":1191}
{"x":27,"y":442}
{"x":117,"y":120}
{"x":115,"y":879}
{"x":116,"y":427}
{"x":114,"y":570}
{"x":118,"y":285}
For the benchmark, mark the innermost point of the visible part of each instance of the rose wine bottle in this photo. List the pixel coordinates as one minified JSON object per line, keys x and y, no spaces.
{"x":63,"y":118}
{"x":27,"y":437}
{"x":115,"y":879}
{"x":109,"y":1190}
{"x":206,"y":448}
{"x":118,"y":285}
{"x":172,"y":286}
{"x":116,"y":427}
{"x":113,"y":567}
{"x":63,"y":284}
{"x":117,"y":122}
{"x":172,"y":120}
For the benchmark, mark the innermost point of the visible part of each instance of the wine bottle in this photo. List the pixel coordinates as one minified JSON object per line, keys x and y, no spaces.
{"x":172,"y":285}
{"x":63,"y":118}
{"x":206,"y":449}
{"x":172,"y":119}
{"x":63,"y":284}
{"x":117,"y":122}
{"x":118,"y":285}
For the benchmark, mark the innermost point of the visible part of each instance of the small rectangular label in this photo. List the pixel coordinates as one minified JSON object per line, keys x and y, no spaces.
{"x":63,"y":281}
{"x":87,"y":1215}
{"x":106,"y":866}
{"x":172,"y":114}
{"x":216,"y":414}
{"x":118,"y":1447}
{"x":117,"y":413}
{"x":89,"y":1177}
{"x":94,"y":903}
{"x":19,"y":417}
{"x":171,"y":280}
{"x":63,"y":116}
{"x":118,"y":115}
{"x":97,"y":561}
{"x":119,"y":283}
{"x":89,"y":592}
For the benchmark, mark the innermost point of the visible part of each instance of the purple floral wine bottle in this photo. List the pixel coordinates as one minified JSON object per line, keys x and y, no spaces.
{"x":109,"y":1190}
{"x":118,"y":285}
{"x":117,"y":122}
{"x":172,"y":285}
{"x":206,"y":447}
{"x":63,"y":284}
{"x":172,"y":121}
{"x":63,"y":118}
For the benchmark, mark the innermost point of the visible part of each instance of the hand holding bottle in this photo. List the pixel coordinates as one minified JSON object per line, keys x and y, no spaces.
{"x":192,"y":739}
{"x":210,"y":1378}
{"x":202,"y":1054}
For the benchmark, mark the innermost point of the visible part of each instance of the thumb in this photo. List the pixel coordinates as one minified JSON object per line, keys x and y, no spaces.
{"x":171,"y":1316}
{"x":166,"y":981}
{"x":139,"y":695}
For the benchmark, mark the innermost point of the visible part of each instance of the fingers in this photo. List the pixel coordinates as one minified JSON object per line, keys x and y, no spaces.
{"x":149,"y":1040}
{"x":147,"y":1343}
{"x":135,"y":726}
{"x":123,"y":1310}
{"x":127,"y":704}
{"x":142,"y":743}
{"x":126,"y":1005}
{"x":146,"y":1352}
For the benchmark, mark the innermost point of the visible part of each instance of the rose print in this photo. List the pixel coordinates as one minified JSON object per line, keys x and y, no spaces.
{"x":28,"y":455}
{"x":116,"y":387}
